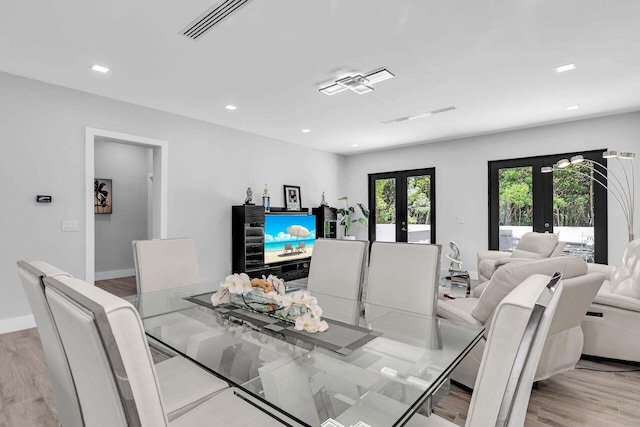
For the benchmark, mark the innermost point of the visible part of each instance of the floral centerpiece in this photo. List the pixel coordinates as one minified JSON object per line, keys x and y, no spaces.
{"x":267,"y":295}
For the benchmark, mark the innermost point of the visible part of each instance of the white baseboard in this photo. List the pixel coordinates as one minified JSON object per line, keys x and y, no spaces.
{"x":17,"y":324}
{"x":115,"y":274}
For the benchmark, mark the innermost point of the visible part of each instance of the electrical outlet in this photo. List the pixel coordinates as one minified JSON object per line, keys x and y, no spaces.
{"x":70,"y":225}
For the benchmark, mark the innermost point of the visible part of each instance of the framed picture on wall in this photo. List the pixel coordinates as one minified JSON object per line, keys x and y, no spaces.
{"x":292,"y":199}
{"x":102,"y":196}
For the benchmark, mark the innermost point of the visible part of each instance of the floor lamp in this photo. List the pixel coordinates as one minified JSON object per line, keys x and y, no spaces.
{"x":622,"y":189}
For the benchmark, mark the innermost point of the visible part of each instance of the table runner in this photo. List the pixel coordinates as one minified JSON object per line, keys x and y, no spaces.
{"x":341,"y":337}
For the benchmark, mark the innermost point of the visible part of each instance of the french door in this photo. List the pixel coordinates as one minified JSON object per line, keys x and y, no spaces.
{"x":403,"y":206}
{"x":522,"y":198}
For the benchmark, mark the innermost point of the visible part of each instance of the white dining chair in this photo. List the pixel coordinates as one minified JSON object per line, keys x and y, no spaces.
{"x":337,"y":267}
{"x":337,"y":270}
{"x":62,"y":387}
{"x":404,"y":276}
{"x":165,"y":263}
{"x":185,"y":385}
{"x":114,"y":374}
{"x":514,"y":345}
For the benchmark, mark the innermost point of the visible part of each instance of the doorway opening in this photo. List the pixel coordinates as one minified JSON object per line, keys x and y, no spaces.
{"x":403,"y":206}
{"x":157,"y":193}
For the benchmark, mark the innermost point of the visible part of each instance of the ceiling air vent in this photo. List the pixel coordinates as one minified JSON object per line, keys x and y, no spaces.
{"x":421,"y":115}
{"x":211,"y":17}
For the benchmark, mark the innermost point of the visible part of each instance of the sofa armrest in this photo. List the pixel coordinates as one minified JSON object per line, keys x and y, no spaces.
{"x":600,"y":268}
{"x":493,"y":255}
{"x":505,"y":261}
{"x":619,"y":301}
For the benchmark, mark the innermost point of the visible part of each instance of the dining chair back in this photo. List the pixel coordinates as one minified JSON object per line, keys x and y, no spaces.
{"x":514,"y":345}
{"x":63,"y":388}
{"x":516,"y":340}
{"x":166,"y":263}
{"x":404,"y":276}
{"x":337,"y":267}
{"x":116,"y":380}
{"x":108,"y":355}
{"x":337,"y":270}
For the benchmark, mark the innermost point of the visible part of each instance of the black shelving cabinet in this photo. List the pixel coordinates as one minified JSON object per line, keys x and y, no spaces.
{"x":247,"y":241}
{"x":247,"y":234}
{"x":326,"y":221}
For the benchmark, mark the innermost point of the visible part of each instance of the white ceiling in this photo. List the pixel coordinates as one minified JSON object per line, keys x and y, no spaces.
{"x":493,"y":59}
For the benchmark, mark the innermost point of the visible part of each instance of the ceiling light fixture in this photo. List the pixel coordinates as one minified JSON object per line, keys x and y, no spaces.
{"x":564,"y":68}
{"x":230,"y":107}
{"x":359,"y":83}
{"x":100,"y":68}
{"x":573,"y":107}
{"x":305,"y":130}
{"x":354,"y":145}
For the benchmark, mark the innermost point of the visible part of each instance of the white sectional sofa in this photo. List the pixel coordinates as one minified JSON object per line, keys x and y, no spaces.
{"x":612,"y":325}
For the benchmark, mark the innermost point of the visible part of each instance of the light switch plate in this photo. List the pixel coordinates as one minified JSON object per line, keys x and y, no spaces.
{"x":70,"y":225}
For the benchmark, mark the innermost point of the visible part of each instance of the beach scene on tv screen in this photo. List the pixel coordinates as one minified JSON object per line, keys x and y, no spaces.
{"x":288,"y":237}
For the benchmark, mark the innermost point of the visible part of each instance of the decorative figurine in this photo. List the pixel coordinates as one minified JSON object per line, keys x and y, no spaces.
{"x":266,"y":199}
{"x":323,"y":202}
{"x":249,"y":199}
{"x":456,"y":264}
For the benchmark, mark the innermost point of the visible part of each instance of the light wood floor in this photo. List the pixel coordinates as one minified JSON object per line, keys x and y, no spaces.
{"x":122,"y":287}
{"x":577,"y":398}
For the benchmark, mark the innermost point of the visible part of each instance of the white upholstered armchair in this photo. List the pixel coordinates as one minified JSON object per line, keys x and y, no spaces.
{"x":563,"y":346}
{"x":530,"y":246}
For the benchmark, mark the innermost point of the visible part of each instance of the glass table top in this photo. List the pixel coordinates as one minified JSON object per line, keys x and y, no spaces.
{"x":386,"y":364}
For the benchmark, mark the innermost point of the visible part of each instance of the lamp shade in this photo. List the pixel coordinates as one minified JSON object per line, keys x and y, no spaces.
{"x":577,"y":159}
{"x":563,"y":163}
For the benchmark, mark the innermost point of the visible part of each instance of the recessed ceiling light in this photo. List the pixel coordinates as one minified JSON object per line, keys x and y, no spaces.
{"x":573,"y":107}
{"x":563,"y":68}
{"x":354,"y":145}
{"x":306,"y":130}
{"x":230,"y":107}
{"x":100,"y":68}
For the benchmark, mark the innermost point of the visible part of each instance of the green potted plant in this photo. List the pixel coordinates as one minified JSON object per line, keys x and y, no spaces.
{"x":347,"y":214}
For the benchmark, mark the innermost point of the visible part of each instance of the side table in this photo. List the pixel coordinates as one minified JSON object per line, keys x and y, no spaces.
{"x":452,"y":289}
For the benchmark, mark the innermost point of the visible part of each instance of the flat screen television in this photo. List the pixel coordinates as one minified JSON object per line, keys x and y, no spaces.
{"x":288,"y":237}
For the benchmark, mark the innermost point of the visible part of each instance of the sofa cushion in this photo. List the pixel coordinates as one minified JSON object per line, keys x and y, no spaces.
{"x":507,"y":277}
{"x":486,"y":267}
{"x":535,"y":245}
{"x":606,"y":297}
{"x":458,"y":310}
{"x":625,"y":277}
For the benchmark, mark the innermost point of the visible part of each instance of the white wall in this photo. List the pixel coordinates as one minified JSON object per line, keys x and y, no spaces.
{"x":462,"y":174}
{"x":127,"y":167}
{"x":42,"y":133}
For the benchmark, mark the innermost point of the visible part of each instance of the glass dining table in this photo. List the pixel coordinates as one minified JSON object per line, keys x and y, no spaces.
{"x":375,"y":365}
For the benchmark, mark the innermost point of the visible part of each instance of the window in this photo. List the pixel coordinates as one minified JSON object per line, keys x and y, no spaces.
{"x":523,"y":199}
